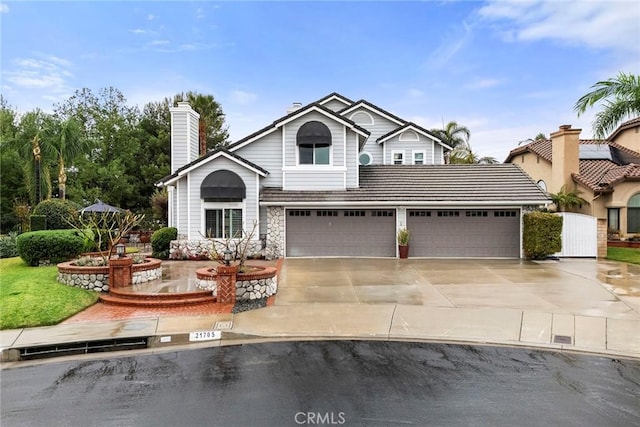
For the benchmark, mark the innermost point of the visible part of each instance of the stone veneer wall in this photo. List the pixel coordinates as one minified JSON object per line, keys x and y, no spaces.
{"x":201,"y":249}
{"x":275,"y":232}
{"x":97,"y":278}
{"x":249,"y":286}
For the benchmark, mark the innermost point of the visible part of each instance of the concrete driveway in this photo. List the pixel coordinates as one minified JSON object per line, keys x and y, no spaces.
{"x":573,"y":286}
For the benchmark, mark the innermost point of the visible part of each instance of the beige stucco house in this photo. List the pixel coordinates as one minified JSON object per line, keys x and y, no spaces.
{"x":605,"y":172}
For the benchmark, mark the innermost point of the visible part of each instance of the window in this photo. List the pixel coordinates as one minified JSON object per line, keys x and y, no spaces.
{"x":397,"y":157}
{"x":223,"y":223}
{"x":613,"y":218}
{"x":542,"y":185}
{"x":365,"y":158}
{"x":327,"y":213}
{"x":382,"y":213}
{"x":314,"y":144}
{"x":299,"y":213}
{"x":418,"y":157}
{"x":419,"y":213}
{"x":505,"y":213}
{"x":633,"y":214}
{"x":448,"y":213}
{"x":353,"y":213}
{"x":476,"y":213}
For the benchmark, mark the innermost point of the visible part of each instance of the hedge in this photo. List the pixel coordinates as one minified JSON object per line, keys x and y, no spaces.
{"x":161,"y":240}
{"x":53,"y":246}
{"x":542,"y":234}
{"x":58,"y":213}
{"x":8,"y":245}
{"x":37,"y":222}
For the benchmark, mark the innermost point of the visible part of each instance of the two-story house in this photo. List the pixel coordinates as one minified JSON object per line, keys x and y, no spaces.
{"x":340,"y":178}
{"x":606,"y":173}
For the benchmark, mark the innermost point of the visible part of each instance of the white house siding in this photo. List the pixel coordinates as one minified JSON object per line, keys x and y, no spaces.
{"x":310,"y":179}
{"x":438,"y":158}
{"x":197,"y":211}
{"x":266,"y":153}
{"x":337,"y":138}
{"x":423,"y":144}
{"x":179,"y":141}
{"x":194,"y":139}
{"x":182,"y":206}
{"x":352,"y":159}
{"x":380,"y":126}
{"x":335,"y":105}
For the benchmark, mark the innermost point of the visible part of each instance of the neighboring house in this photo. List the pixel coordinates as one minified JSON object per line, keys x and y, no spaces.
{"x":339,"y":178}
{"x":606,"y":173}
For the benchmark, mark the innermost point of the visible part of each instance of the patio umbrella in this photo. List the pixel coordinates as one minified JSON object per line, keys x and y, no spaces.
{"x":100,"y":207}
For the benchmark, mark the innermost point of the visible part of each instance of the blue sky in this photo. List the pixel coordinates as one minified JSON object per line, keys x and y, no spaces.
{"x":506,"y":70}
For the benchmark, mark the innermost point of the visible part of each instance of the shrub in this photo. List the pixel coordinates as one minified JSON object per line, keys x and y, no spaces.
{"x":58,"y":212}
{"x":37,"y":222}
{"x":160,"y":241}
{"x":52,"y":245}
{"x":542,"y":234}
{"x":8,"y":245}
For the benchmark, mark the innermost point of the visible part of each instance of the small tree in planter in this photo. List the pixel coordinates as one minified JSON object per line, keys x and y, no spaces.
{"x":403,"y":242}
{"x":103,"y":230}
{"x":238,"y":246}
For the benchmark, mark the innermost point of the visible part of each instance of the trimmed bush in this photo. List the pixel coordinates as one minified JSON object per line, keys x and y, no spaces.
{"x":58,"y":212}
{"x":8,"y":245}
{"x":37,"y":222}
{"x":160,"y":241}
{"x":542,"y":234}
{"x":49,"y":245}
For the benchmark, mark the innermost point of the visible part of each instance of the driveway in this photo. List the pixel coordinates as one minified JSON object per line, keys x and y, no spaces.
{"x":573,"y":286}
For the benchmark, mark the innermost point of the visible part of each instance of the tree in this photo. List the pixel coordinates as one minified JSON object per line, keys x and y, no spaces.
{"x":67,"y":141}
{"x":453,"y":134}
{"x":540,"y":137}
{"x":568,"y":200}
{"x":621,"y":100}
{"x":212,"y":133}
{"x":463,"y":154}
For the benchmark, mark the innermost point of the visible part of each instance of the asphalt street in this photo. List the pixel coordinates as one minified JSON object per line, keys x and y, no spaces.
{"x":372,"y":383}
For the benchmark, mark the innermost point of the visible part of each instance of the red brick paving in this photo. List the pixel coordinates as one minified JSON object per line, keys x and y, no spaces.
{"x":103,"y":312}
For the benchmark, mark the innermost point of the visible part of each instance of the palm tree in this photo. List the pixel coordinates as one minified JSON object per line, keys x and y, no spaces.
{"x":211,"y":132}
{"x":567,"y":200}
{"x":453,"y":134}
{"x":621,"y":98}
{"x":29,"y":143}
{"x":540,"y":137}
{"x":464,"y":155}
{"x":66,"y":140}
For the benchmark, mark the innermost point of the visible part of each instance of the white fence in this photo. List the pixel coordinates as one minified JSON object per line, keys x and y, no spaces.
{"x":579,"y":235}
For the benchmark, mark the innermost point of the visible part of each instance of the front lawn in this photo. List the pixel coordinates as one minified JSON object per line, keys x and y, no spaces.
{"x":631,"y":255}
{"x":31,"y":296}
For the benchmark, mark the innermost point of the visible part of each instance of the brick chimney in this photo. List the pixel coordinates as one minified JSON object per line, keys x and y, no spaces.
{"x":565,"y":154}
{"x":184,"y":135}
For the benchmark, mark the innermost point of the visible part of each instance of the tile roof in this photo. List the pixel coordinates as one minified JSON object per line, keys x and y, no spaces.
{"x":499,"y":184}
{"x":598,"y":175}
{"x":626,"y":125}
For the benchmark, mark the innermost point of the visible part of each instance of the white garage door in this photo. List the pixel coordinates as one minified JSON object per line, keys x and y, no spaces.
{"x":464,"y":233}
{"x":342,"y":232}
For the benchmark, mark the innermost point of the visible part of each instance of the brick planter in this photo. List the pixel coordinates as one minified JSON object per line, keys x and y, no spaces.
{"x":623,"y":244}
{"x":261,"y":282}
{"x":97,"y":278}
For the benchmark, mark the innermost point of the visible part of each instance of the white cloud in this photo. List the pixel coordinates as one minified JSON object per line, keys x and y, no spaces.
{"x":137,"y":31}
{"x":603,"y":24}
{"x":4,"y":8}
{"x":450,"y":46}
{"x":200,"y":13}
{"x":242,"y":97}
{"x":482,"y":84}
{"x":415,"y":93}
{"x":159,"y":42}
{"x":151,"y":17}
{"x":46,"y":72}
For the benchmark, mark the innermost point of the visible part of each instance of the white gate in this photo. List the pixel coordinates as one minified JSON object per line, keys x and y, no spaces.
{"x":579,"y":235}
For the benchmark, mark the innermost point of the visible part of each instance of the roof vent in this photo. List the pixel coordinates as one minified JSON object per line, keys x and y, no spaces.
{"x":296,"y":106}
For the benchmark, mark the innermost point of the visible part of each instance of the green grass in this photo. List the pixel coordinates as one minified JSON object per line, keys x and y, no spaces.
{"x":631,"y":255}
{"x":31,"y":296}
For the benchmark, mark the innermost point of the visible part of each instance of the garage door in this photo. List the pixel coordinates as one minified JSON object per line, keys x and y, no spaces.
{"x":464,"y":233}
{"x":341,"y":233}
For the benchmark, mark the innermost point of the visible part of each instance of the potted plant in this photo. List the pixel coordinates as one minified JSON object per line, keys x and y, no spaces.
{"x":403,"y":242}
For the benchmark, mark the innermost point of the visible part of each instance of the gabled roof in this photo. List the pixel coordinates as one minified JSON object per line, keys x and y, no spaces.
{"x":624,"y":126}
{"x":414,"y":127}
{"x":597,"y":174}
{"x":374,"y":108}
{"x":220,"y":152}
{"x":434,"y":185}
{"x":331,"y":97}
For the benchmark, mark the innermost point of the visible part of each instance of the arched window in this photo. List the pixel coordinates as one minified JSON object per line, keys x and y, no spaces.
{"x":223,"y":186}
{"x":314,"y":144}
{"x":223,"y":191}
{"x":409,"y":135}
{"x":542,"y":185}
{"x":633,"y":214}
{"x":362,"y":118}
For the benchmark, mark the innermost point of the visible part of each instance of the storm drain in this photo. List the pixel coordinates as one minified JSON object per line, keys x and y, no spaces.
{"x":562,"y":339}
{"x":42,"y":352}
